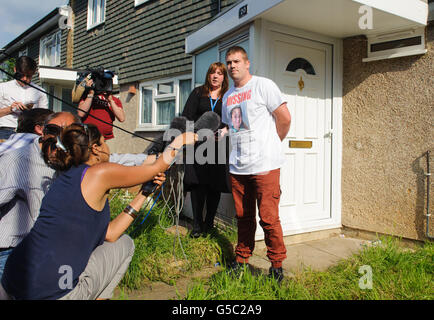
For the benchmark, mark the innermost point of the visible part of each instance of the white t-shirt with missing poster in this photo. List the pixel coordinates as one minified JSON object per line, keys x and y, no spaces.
{"x":256,"y":146}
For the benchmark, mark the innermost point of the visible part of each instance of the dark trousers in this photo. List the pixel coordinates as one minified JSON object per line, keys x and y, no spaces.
{"x":264,"y":190}
{"x":200,"y":194}
{"x":6,"y":132}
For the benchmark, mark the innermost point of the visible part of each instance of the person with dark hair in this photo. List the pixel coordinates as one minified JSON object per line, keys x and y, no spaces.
{"x":73,"y":232}
{"x":256,"y":158}
{"x":16,"y":95}
{"x":30,"y":126}
{"x":206,"y":181}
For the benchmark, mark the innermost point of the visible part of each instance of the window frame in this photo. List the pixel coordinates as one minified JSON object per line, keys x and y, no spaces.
{"x":90,"y":11}
{"x":42,"y":49}
{"x":153,"y":85}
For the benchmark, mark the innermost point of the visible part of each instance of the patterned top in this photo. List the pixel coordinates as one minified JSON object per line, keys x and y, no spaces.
{"x":25,"y":179}
{"x":16,"y":141}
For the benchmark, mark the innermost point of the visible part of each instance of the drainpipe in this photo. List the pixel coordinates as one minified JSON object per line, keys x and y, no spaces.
{"x":427,"y":174}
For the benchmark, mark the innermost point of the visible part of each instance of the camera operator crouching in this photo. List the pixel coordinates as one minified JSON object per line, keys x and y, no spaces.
{"x":97,"y":100}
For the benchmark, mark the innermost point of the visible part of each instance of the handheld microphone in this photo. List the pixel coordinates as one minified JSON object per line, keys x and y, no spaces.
{"x":209,"y":120}
{"x":177,"y":127}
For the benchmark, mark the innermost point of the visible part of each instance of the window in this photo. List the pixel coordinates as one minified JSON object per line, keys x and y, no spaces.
{"x":397,"y":44}
{"x":23,"y":52}
{"x":95,"y":13}
{"x":202,"y":62}
{"x":139,"y":2}
{"x":300,"y":63}
{"x":241,"y":40}
{"x":49,"y":51}
{"x":162,"y":100}
{"x":65,"y":94}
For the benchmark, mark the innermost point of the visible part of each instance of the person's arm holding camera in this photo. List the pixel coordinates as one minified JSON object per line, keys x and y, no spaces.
{"x":84,"y":105}
{"x":117,"y":110}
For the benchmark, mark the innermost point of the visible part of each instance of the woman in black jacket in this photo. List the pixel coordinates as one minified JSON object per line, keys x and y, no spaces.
{"x":207,"y":181}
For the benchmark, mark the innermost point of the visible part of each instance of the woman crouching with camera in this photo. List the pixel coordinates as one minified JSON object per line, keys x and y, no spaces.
{"x":74,"y":251}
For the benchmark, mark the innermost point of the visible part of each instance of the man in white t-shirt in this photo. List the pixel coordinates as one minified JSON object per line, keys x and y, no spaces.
{"x":258,"y":120}
{"x":16,"y":96}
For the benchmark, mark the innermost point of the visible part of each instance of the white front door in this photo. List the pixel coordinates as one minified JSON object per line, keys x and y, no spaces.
{"x":303,"y":71}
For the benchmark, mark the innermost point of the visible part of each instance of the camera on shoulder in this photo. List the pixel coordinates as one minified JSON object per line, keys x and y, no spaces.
{"x":102,"y":82}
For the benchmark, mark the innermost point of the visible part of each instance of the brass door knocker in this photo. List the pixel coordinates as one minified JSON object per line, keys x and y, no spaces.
{"x":301,"y":84}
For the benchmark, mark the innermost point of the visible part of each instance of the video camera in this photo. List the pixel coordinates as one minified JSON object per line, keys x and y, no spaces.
{"x":102,"y":82}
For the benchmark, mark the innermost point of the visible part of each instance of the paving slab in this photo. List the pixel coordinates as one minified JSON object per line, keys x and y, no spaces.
{"x":317,"y":255}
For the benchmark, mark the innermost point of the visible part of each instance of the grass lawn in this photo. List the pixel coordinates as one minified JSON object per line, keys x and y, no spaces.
{"x":397,"y":273}
{"x":163,"y":256}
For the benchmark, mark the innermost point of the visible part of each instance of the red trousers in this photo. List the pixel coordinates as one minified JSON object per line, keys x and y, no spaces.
{"x":265,"y":190}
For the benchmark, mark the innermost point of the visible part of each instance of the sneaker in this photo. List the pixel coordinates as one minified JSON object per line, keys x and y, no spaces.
{"x":195,"y":234}
{"x":237,"y":267}
{"x":276,"y":273}
{"x":212,"y":231}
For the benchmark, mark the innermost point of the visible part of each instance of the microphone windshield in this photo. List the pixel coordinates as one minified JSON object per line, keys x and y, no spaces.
{"x":179,"y":123}
{"x":177,"y":127}
{"x":209,"y":120}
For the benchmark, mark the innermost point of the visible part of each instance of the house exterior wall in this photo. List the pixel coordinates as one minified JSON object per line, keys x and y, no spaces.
{"x":33,"y":48}
{"x":387,"y":127}
{"x":140,"y":44}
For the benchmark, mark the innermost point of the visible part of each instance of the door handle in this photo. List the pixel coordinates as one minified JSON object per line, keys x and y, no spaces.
{"x":329,"y":134}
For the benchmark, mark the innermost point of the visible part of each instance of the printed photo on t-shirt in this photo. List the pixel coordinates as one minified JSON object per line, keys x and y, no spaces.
{"x":238,"y":119}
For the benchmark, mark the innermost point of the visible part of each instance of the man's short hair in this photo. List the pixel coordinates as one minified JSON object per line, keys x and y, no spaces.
{"x":25,"y":65}
{"x":28,"y":119}
{"x":55,"y":115}
{"x":235,"y":49}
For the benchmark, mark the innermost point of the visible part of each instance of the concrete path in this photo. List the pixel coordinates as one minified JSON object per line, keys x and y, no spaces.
{"x":317,"y":254}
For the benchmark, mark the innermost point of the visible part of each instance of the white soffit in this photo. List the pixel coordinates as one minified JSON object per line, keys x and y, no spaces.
{"x":412,"y":10}
{"x":334,"y":18}
{"x":60,"y":76}
{"x":226,"y":22}
{"x":341,"y":18}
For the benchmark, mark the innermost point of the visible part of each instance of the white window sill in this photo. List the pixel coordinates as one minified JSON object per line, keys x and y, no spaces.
{"x":151,"y":128}
{"x":95,"y":25}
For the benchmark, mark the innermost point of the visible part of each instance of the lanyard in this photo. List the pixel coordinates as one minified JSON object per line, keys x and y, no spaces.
{"x":213,"y":104}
